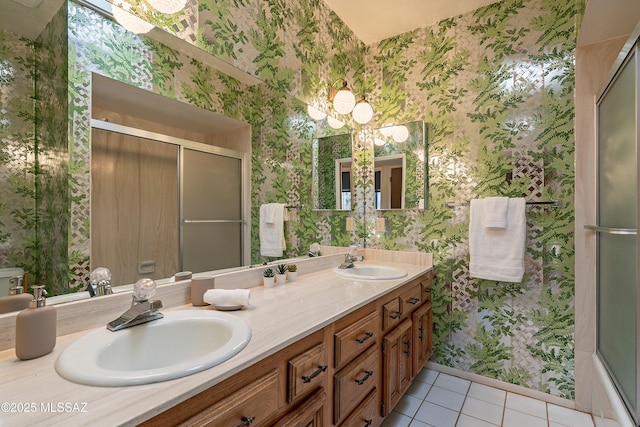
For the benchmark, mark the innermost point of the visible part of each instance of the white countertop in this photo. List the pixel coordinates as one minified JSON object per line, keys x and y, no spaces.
{"x":33,"y":394}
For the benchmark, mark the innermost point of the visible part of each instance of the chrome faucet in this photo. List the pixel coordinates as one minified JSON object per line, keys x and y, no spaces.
{"x":350,"y":257}
{"x":142,"y":310}
{"x":100,"y":282}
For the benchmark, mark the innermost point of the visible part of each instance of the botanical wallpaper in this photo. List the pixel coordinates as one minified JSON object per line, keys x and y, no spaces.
{"x":17,"y":158}
{"x":495,"y":89}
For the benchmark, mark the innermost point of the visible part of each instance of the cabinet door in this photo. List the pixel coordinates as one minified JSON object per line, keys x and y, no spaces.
{"x":422,"y":326}
{"x":396,"y":365}
{"x":308,"y":414}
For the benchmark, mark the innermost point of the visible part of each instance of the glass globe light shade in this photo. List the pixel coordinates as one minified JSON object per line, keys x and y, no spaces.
{"x":362,"y":112}
{"x":168,"y":6}
{"x":387,"y":129}
{"x":344,"y":101}
{"x":334,"y":123}
{"x":130,"y":21}
{"x":379,"y":142}
{"x":400,"y":134}
{"x":315,"y":114}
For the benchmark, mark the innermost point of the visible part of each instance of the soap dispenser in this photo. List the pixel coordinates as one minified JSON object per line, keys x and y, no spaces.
{"x":16,"y":300}
{"x":36,"y":327}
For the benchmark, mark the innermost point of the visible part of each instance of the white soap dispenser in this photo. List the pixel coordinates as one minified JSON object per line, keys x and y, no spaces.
{"x":36,"y":327}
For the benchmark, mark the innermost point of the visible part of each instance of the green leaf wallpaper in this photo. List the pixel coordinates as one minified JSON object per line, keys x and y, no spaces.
{"x":495,"y":89}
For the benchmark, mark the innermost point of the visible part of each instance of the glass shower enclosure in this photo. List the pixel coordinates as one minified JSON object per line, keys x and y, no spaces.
{"x":616,"y":228}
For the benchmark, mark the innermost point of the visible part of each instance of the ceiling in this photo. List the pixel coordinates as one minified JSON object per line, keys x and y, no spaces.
{"x":376,"y":20}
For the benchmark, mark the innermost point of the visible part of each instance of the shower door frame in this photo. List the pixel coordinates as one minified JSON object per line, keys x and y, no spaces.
{"x":630,"y":52}
{"x":245,"y":220}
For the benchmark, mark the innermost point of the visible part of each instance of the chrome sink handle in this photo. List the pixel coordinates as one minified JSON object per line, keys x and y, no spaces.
{"x":350,"y":257}
{"x":142,"y":310}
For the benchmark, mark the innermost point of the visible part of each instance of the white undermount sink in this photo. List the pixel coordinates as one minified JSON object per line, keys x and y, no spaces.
{"x":182,"y":343}
{"x":371,"y":272}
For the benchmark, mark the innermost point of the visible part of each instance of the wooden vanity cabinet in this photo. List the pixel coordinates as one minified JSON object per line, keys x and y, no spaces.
{"x":407,"y":341}
{"x":350,"y":373}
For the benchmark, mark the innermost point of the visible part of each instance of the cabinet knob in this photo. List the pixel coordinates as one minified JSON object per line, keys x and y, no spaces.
{"x":367,"y":423}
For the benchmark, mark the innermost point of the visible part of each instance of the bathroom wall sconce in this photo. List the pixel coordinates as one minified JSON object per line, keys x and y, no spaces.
{"x":344,"y":102}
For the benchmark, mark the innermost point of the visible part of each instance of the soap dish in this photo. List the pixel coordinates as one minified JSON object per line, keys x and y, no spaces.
{"x":229,"y":307}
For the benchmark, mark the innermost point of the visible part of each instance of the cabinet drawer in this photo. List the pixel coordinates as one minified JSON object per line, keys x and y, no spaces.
{"x":366,"y":414}
{"x":354,"y":382}
{"x":411,"y":298}
{"x":310,"y":413}
{"x":356,"y":338}
{"x":305,"y":371}
{"x":253,"y":403}
{"x":391,"y":314}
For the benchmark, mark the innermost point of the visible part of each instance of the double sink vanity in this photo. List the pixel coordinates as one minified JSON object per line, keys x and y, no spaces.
{"x":334,"y":348}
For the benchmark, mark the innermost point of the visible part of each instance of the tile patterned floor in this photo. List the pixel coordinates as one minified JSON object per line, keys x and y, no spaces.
{"x":440,"y":400}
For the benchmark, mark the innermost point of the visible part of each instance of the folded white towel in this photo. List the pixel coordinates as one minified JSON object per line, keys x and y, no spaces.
{"x":497,"y":254}
{"x":495,"y":211}
{"x":272,"y":241}
{"x":227,"y":297}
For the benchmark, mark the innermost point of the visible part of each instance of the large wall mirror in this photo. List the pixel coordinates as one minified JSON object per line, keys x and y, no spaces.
{"x":400,"y":166}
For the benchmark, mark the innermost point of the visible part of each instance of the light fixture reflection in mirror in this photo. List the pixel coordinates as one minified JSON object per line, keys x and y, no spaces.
{"x":334,"y":123}
{"x":130,"y":21}
{"x":168,"y":7}
{"x":400,"y":170}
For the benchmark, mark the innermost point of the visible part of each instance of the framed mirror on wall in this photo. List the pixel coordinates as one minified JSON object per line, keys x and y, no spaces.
{"x":332,"y":172}
{"x":400,"y":166}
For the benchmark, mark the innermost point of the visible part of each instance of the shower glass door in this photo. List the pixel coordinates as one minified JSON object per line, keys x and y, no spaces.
{"x":617,"y":303}
{"x":211,"y":210}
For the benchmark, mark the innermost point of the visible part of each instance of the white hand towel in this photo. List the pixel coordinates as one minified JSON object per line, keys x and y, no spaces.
{"x":495,"y":211}
{"x":227,"y":297}
{"x":497,"y":254}
{"x":272,"y":241}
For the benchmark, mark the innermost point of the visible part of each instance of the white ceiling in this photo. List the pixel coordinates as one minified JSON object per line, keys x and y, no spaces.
{"x":376,"y":20}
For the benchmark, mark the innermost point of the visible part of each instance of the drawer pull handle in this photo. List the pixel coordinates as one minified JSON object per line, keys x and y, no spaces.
{"x":428,"y":290}
{"x":414,"y":301}
{"x":366,"y":377}
{"x":420,"y":330}
{"x":307,"y":378}
{"x":367,"y":423}
{"x":396,"y":315}
{"x":408,"y":344}
{"x":246,"y":421}
{"x":366,"y":336}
